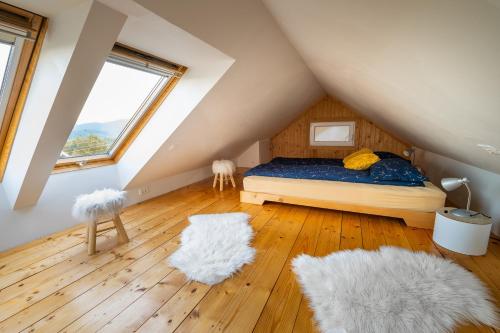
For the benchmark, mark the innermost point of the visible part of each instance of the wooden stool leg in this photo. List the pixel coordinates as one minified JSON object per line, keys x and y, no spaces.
{"x":215,"y":180}
{"x":92,"y":229}
{"x":120,"y":229}
{"x":221,"y":182}
{"x":87,"y":234}
{"x":232,"y":180}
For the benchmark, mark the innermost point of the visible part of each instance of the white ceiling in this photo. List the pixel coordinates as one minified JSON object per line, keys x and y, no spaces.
{"x":427,"y":70}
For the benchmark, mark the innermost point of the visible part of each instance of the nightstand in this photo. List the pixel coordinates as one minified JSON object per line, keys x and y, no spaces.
{"x":467,"y":235}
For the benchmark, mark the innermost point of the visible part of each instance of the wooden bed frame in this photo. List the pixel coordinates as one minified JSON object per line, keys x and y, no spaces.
{"x":412,"y":218}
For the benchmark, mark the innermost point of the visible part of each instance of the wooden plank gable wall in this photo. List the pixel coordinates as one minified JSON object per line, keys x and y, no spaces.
{"x":293,"y":141}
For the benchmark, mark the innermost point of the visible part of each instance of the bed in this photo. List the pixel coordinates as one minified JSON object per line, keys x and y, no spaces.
{"x":325,"y":183}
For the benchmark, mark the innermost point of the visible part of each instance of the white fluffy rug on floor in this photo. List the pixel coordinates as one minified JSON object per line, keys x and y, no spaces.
{"x":391,"y":290}
{"x":214,"y":246}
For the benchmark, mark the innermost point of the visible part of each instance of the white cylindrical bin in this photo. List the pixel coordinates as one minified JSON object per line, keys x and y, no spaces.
{"x":467,"y":235}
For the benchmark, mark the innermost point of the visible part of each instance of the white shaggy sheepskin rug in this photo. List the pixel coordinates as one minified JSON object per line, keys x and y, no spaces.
{"x":214,"y":247}
{"x":391,"y":290}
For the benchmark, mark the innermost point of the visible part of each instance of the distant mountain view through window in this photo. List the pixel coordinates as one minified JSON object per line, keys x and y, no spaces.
{"x":93,"y":138}
{"x":119,"y":97}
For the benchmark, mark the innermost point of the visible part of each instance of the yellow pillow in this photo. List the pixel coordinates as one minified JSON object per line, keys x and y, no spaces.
{"x":361,"y":161}
{"x":356,"y":153}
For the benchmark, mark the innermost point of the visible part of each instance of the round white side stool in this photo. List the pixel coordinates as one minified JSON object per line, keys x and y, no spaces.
{"x":467,"y":235}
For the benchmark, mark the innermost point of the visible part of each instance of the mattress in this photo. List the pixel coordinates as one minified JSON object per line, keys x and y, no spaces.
{"x":425,"y":198}
{"x":321,"y":169}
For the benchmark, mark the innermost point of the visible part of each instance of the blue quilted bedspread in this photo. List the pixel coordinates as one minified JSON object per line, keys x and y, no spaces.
{"x":321,"y":169}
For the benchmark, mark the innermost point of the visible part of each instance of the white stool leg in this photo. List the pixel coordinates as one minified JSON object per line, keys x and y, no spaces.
{"x":221,"y":182}
{"x":92,"y":230}
{"x":232,"y":180}
{"x":120,"y":229}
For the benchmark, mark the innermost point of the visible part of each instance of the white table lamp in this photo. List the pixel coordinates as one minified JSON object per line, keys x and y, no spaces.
{"x":451,"y":184}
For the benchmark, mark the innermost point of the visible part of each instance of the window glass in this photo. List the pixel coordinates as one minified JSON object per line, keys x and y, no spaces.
{"x":120,"y":95}
{"x":5,"y":49}
{"x":332,"y":133}
{"x":6,"y":66}
{"x":340,"y":133}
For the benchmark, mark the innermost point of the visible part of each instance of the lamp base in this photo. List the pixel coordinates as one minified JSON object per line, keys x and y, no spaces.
{"x":463,"y":212}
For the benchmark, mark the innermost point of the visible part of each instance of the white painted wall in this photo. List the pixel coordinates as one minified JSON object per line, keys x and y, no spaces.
{"x":265,"y":150}
{"x":259,"y":152}
{"x":250,"y":157}
{"x":53,"y":211}
{"x":485,"y":185}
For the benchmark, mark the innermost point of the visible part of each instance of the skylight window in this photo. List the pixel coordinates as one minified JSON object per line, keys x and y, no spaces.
{"x":123,"y":96}
{"x":120,"y":95}
{"x":21,"y":37}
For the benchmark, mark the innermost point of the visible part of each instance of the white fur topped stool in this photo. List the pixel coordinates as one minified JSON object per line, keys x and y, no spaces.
{"x":223,"y":170}
{"x":92,"y":207}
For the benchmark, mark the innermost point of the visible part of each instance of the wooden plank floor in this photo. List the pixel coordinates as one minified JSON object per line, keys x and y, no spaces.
{"x":51,"y":285}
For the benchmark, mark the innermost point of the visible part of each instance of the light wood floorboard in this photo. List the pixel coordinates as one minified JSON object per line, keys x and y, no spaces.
{"x":51,"y":285}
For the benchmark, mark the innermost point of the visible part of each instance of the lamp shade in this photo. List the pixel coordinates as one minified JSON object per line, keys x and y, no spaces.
{"x":450,"y":184}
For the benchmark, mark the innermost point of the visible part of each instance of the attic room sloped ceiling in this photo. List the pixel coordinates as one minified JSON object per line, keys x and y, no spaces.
{"x":427,"y":71}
